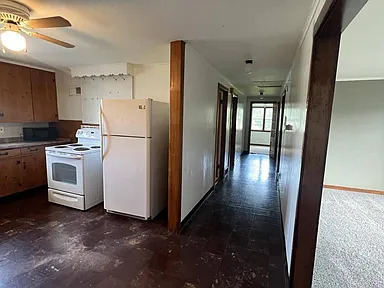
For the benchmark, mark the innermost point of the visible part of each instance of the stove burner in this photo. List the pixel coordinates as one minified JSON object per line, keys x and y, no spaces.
{"x":75,"y":145}
{"x":61,"y":147}
{"x":81,"y":149}
{"x":95,"y":147}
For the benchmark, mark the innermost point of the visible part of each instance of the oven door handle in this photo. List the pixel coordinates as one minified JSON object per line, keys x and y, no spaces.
{"x":65,"y":156}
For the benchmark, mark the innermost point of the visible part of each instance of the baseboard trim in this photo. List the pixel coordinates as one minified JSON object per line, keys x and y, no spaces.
{"x":286,"y":268}
{"x":261,"y":145}
{"x":197,"y":206}
{"x":353,"y":189}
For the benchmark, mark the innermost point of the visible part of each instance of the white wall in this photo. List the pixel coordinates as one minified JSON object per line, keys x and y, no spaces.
{"x":152,"y":81}
{"x":355,"y":150}
{"x":260,"y":138}
{"x":12,"y":130}
{"x":200,"y":96}
{"x":69,"y":106}
{"x":292,"y":141}
{"x":149,"y":81}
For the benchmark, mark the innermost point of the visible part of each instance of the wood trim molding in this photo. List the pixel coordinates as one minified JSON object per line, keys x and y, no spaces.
{"x":176,"y":107}
{"x":324,"y":62}
{"x":232,"y":146}
{"x":223,"y":134}
{"x":354,"y":189}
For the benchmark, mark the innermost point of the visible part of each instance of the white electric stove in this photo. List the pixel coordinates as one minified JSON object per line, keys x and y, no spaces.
{"x":74,"y":171}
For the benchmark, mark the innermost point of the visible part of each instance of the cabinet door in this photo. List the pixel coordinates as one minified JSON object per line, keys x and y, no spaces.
{"x":44,"y":96}
{"x":10,"y":176}
{"x":15,"y":93}
{"x":33,"y":171}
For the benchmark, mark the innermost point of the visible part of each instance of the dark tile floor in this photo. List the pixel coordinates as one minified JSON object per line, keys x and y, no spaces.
{"x":233,"y":240}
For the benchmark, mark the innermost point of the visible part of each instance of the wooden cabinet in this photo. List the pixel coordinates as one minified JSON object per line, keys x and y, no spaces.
{"x":33,"y":171}
{"x":27,"y":94}
{"x":44,"y":97}
{"x":22,"y":169}
{"x":10,"y":176}
{"x":15,"y":93}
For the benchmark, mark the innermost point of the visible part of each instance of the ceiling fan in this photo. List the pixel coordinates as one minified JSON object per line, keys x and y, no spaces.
{"x":15,"y":22}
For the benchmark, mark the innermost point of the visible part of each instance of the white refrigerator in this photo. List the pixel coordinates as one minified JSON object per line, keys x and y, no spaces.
{"x":134,"y":149}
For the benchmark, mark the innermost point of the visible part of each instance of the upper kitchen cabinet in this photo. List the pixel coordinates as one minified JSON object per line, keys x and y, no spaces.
{"x":44,"y":97}
{"x":15,"y":93}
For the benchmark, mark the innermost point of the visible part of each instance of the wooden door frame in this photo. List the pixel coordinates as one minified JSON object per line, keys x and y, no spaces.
{"x":250,"y":120}
{"x":232,"y":145}
{"x":277,"y":132}
{"x":223,"y":120}
{"x":281,"y":124}
{"x":333,"y":19}
{"x":176,"y":111}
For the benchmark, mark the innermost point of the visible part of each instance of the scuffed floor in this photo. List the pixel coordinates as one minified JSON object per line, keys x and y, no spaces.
{"x":350,"y":245}
{"x":234,"y":240}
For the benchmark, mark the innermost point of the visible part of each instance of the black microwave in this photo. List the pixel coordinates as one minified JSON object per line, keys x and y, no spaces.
{"x":39,"y":134}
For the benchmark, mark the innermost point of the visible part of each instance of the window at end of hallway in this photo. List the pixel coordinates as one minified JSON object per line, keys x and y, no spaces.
{"x":262,"y":117}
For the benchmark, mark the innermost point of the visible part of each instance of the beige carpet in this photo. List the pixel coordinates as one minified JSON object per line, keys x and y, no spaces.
{"x":350,"y":244}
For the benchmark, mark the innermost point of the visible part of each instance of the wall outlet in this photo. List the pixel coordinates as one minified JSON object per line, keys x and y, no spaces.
{"x":1,"y":130}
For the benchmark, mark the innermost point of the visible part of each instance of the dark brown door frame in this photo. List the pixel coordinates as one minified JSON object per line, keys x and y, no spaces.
{"x":223,"y":132}
{"x":232,"y":146}
{"x":176,"y":107}
{"x":250,"y":120}
{"x":280,"y":133}
{"x":333,"y":19}
{"x":276,"y":131}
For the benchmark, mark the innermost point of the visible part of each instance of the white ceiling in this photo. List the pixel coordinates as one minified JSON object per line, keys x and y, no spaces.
{"x":362,"y":45}
{"x":225,"y":32}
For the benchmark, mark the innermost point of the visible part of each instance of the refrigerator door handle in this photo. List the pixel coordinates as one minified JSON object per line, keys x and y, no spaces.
{"x":102,"y":117}
{"x":101,"y":130}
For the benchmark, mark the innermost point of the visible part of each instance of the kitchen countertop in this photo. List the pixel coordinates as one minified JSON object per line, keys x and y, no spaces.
{"x":23,"y":144}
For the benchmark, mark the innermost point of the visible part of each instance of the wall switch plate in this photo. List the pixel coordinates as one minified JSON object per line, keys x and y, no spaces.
{"x":1,"y":130}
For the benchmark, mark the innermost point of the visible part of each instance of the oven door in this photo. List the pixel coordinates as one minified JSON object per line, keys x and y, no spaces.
{"x":65,"y":172}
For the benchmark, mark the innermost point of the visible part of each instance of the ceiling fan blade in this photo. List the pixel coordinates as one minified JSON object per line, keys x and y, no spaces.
{"x":49,"y":22}
{"x":52,"y":40}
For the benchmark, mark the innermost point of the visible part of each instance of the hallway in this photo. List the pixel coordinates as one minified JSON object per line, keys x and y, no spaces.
{"x":241,"y":222}
{"x":234,"y":240}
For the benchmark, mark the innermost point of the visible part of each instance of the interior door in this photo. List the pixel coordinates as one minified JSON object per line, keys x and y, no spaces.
{"x":221,"y":121}
{"x":232,"y":147}
{"x":126,"y":175}
{"x":274,"y":129}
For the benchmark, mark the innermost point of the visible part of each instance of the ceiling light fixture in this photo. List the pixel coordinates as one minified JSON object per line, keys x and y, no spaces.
{"x":13,"y":40}
{"x":248,"y":66}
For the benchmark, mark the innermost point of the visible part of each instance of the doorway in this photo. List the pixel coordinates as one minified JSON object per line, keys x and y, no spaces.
{"x":264,"y":127}
{"x":333,"y":19}
{"x":281,"y":119}
{"x":232,"y":146}
{"x":221,"y":120}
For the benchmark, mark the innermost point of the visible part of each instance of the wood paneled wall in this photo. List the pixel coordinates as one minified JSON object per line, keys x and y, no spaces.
{"x":67,"y":128}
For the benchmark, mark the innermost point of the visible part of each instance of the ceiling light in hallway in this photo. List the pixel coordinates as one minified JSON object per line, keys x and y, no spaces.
{"x":248,"y":66}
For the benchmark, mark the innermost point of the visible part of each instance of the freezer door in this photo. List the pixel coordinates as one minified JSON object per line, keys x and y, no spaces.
{"x":126,"y":117}
{"x":126,"y":175}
